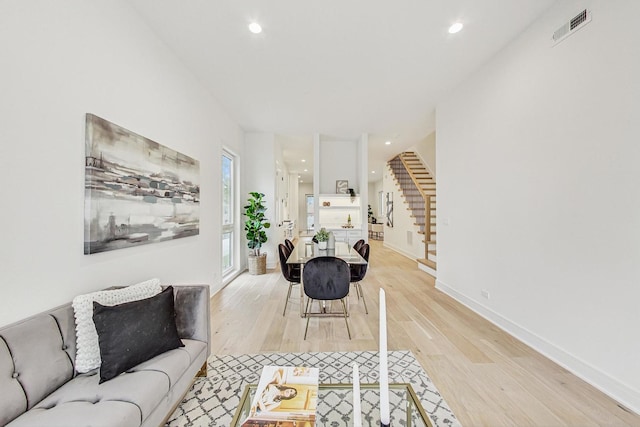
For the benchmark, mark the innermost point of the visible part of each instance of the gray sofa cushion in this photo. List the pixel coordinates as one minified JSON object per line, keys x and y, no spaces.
{"x":13,"y":401}
{"x":173,"y":363}
{"x":85,"y":414}
{"x":38,"y":361}
{"x":137,"y":392}
{"x":143,"y":390}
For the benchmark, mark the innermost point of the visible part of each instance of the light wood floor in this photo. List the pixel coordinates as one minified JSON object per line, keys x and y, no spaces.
{"x":487,"y":377}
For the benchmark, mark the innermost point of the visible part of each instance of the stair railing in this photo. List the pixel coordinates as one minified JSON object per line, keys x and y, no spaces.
{"x":427,"y":205}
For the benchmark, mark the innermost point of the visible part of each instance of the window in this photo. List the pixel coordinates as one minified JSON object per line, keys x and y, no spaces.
{"x":228,"y":220}
{"x":309,"y":204}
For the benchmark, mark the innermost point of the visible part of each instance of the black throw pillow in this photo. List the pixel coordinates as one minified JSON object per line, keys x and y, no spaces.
{"x":133,"y":332}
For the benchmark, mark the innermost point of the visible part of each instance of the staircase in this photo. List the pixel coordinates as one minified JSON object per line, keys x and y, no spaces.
{"x":418,"y":188}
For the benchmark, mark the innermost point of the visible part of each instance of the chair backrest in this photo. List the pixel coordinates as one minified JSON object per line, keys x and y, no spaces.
{"x":357,"y":245}
{"x":284,"y":253}
{"x":289,"y":244}
{"x":359,"y":271}
{"x":326,"y":278}
{"x":364,"y":251}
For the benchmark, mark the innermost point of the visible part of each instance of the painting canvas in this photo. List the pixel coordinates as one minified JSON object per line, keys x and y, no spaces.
{"x":342,"y":186}
{"x":389,"y":210}
{"x":136,"y":190}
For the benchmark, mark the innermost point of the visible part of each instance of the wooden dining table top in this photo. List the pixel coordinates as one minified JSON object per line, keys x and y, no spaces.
{"x":304,"y":251}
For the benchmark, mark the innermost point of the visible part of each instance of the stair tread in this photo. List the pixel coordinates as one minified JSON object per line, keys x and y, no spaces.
{"x":427,"y":262}
{"x":417,"y":186}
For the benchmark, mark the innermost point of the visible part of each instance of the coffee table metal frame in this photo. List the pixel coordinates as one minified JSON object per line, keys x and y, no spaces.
{"x":415,"y":401}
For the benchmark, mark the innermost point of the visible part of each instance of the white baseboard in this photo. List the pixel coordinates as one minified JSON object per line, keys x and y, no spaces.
{"x":399,"y":250}
{"x":428,"y":269}
{"x":617,"y":390}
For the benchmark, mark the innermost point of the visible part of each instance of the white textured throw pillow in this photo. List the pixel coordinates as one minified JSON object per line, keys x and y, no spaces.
{"x":88,"y":350}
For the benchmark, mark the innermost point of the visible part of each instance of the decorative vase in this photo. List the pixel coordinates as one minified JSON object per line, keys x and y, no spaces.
{"x":258,"y":264}
{"x":322,"y":245}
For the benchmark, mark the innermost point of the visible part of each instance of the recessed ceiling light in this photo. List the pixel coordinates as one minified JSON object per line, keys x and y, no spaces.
{"x":255,"y":28}
{"x":455,"y":28}
{"x":373,"y":171}
{"x":306,"y":170}
{"x":387,"y":143}
{"x":303,"y":160}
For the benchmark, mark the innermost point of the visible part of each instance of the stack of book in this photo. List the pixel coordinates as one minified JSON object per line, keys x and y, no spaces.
{"x":286,"y":397}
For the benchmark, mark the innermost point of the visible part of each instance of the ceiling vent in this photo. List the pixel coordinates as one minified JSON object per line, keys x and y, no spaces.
{"x":577,"y":22}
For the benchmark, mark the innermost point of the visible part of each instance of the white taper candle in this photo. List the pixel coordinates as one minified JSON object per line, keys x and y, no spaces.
{"x":384,"y":370}
{"x":357,"y":411}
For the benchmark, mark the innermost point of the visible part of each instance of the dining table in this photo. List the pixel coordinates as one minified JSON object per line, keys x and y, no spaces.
{"x":304,"y":251}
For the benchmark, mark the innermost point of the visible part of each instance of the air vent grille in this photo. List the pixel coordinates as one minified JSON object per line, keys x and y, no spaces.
{"x":578,"y":19}
{"x":577,"y":22}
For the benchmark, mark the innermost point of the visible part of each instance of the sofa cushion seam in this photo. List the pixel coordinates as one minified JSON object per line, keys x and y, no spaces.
{"x":24,"y":392}
{"x":73,"y":368}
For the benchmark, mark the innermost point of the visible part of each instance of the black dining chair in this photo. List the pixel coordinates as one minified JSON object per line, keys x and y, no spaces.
{"x":358,"y":272}
{"x":289,"y":244}
{"x":326,"y":279}
{"x":357,"y":245}
{"x":290,"y":273}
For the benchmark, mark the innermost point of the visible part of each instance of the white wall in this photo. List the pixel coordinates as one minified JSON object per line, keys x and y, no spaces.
{"x":260,"y":176}
{"x":338,"y":160}
{"x":538,"y":173}
{"x":60,"y":61}
{"x":403,"y":237}
{"x":426,"y":149}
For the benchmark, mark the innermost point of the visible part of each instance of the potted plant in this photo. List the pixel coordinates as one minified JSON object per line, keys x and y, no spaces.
{"x":255,"y":227}
{"x":322,"y":237}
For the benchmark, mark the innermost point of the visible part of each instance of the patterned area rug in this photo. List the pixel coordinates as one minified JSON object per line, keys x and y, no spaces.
{"x":212,"y":401}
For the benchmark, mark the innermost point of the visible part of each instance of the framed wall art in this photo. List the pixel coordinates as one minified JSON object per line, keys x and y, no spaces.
{"x":389,"y":209}
{"x":342,"y":186}
{"x":137,"y":191}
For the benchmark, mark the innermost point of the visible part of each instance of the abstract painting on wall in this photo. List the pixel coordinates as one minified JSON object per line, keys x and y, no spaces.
{"x":389,"y":210}
{"x":136,"y":190}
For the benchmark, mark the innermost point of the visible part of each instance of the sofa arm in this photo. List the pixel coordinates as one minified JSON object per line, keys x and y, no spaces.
{"x":192,"y":312}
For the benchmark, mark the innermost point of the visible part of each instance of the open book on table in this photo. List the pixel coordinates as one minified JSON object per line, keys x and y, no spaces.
{"x":286,"y":397}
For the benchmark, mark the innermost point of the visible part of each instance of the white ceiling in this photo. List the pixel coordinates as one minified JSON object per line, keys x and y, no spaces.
{"x":336,"y":67}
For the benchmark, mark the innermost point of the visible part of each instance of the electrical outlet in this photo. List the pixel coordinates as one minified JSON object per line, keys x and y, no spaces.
{"x":485,"y":293}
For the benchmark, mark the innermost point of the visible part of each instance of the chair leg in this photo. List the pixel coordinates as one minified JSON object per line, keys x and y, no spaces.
{"x":306,"y":313}
{"x":288,"y":296}
{"x":344,"y":310}
{"x":355,"y":285}
{"x":361,"y":292}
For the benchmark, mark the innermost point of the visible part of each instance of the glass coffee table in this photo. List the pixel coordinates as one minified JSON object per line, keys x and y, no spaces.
{"x":335,"y":405}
